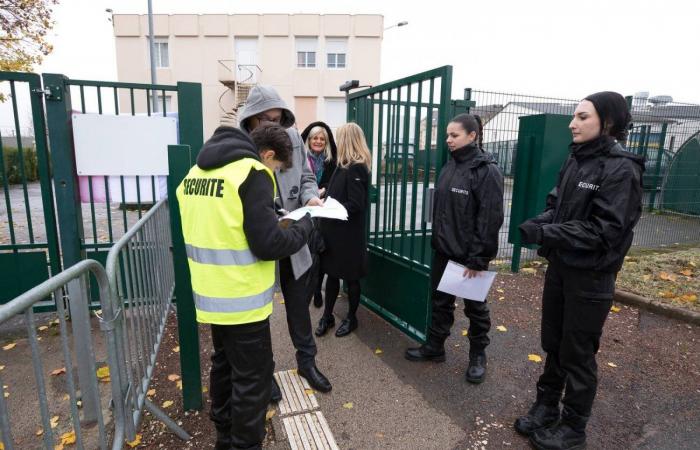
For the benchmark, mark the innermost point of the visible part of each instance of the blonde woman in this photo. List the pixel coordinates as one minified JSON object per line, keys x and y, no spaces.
{"x":345,"y":256}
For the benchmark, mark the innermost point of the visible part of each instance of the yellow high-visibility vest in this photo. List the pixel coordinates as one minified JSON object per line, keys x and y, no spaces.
{"x":230,"y":285}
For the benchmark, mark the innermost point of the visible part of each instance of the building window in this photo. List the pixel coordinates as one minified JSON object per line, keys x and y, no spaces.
{"x":336,"y":51}
{"x":162,"y":56}
{"x":306,"y":52}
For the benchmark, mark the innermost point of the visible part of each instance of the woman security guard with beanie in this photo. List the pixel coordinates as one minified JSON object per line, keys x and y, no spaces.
{"x":467,"y":217}
{"x":584,"y":232}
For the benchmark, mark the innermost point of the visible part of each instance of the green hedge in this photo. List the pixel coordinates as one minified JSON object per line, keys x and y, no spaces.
{"x":12,"y":167}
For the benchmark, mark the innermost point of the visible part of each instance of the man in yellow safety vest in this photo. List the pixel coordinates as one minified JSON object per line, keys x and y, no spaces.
{"x":233,"y":237}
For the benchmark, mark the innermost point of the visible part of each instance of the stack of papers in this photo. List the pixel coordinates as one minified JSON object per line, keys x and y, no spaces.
{"x":331,"y":209}
{"x":453,"y":282}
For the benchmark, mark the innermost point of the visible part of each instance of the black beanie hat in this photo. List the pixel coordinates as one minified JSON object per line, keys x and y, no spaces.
{"x":614,"y":113}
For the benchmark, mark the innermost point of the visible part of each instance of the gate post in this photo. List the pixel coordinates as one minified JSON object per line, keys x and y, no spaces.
{"x":179,"y":163}
{"x":69,"y":211}
{"x":190,"y":118}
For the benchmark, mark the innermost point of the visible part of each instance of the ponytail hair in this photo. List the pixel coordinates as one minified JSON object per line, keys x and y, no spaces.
{"x":471,"y":122}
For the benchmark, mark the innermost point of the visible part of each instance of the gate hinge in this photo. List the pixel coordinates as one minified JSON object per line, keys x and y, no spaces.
{"x":53,"y":92}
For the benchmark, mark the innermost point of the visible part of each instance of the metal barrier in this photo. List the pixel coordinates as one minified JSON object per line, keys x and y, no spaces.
{"x":58,"y":286}
{"x":141,"y":279}
{"x":136,"y":292}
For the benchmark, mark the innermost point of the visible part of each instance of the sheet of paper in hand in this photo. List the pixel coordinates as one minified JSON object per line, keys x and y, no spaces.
{"x":331,"y":209}
{"x":454,"y":282}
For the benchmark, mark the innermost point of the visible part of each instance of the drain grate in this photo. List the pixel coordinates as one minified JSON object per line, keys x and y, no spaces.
{"x":309,"y":431}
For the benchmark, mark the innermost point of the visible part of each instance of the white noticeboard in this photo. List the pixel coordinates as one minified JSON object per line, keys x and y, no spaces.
{"x":122,"y":145}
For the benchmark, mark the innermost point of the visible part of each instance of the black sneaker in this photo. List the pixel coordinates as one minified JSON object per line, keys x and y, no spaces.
{"x":539,"y":416}
{"x":425,"y":352}
{"x":476,"y":371}
{"x":558,"y":437}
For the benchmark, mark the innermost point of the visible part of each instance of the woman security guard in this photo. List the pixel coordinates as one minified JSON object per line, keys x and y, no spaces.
{"x":467,"y":216}
{"x":584,"y":232}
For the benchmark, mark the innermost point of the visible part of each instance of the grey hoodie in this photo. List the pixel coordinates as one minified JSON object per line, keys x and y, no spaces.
{"x":297,"y":185}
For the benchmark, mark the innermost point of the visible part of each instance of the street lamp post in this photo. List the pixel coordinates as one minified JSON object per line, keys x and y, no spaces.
{"x":399,"y":24}
{"x":152,"y":46}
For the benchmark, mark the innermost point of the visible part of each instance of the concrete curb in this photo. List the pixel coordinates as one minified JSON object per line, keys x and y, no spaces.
{"x":658,"y":307}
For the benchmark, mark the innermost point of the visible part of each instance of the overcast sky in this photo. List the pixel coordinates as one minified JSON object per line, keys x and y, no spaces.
{"x":556,"y":48}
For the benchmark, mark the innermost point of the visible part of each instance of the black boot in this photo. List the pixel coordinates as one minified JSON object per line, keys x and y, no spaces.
{"x":426,"y":352}
{"x":276,"y":393}
{"x":223,"y":439}
{"x":315,"y":378}
{"x":558,"y":437}
{"x":324,"y":324}
{"x":346,"y":327}
{"x":318,"y":299}
{"x":476,"y":371}
{"x":539,"y":416}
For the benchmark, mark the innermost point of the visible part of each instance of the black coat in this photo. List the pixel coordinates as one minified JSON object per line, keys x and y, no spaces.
{"x":328,"y":166}
{"x":590,"y":214}
{"x":345,"y":255}
{"x":468,"y":208}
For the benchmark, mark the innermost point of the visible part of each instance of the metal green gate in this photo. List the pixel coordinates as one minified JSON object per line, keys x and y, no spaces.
{"x":404,"y":122}
{"x":29,"y":251}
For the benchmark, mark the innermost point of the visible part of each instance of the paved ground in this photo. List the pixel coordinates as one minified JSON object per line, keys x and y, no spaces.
{"x":650,"y":400}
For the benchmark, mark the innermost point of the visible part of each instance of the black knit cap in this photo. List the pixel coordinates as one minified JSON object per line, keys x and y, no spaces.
{"x":614,"y":113}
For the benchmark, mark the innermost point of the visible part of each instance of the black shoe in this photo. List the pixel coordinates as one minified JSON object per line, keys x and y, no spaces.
{"x":539,"y":416}
{"x":346,"y":327}
{"x":558,"y":437}
{"x":324,"y":324}
{"x":315,"y":378}
{"x":276,"y":394}
{"x":318,"y":299}
{"x":425,"y":352}
{"x":476,"y":371}
{"x":223,"y":439}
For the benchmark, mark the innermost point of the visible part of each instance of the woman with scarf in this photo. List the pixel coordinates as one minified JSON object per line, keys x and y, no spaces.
{"x":584,"y":232}
{"x":322,"y":155}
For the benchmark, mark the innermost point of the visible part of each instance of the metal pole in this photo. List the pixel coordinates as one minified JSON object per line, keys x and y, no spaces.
{"x":152,"y":46}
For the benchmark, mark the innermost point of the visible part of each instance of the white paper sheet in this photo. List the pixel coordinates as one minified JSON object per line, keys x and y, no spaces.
{"x":331,"y":209}
{"x":453,"y":282}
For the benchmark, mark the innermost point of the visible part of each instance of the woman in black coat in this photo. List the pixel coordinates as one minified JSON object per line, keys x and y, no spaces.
{"x":345,"y":256}
{"x":322,"y":158}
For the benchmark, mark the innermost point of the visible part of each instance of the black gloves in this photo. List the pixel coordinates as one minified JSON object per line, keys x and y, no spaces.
{"x":530,"y":232}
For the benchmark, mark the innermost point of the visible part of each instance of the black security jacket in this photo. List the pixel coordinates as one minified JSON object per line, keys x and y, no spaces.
{"x":267,"y":240}
{"x":590,"y":214}
{"x":468,"y":208}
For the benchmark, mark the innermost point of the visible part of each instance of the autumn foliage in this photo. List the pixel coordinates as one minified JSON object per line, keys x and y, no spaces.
{"x":24,"y":25}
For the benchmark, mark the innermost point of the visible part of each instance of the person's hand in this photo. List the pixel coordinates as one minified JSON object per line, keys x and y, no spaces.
{"x":315,"y":201}
{"x":322,"y":192}
{"x":469,"y":273}
{"x":530,"y":232}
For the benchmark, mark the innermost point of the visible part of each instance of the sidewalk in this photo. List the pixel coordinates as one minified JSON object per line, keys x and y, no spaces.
{"x":649,"y":399}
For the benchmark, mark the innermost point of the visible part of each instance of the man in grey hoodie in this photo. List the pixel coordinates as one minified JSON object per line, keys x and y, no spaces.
{"x":297,"y":188}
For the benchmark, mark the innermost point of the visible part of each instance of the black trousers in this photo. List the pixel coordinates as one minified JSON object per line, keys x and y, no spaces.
{"x":443,"y":313}
{"x":575,"y":304}
{"x":240,"y":381}
{"x":297,"y":296}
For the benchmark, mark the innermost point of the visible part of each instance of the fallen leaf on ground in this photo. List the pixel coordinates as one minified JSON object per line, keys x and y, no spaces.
{"x":151,"y":392}
{"x":309,"y":391}
{"x":68,"y":438}
{"x":500,"y":291}
{"x":667,"y":276}
{"x":281,"y":302}
{"x":103,"y":372}
{"x":270,"y":414}
{"x":177,"y":349}
{"x":501,"y":328}
{"x":690,"y":298}
{"x":348,"y":405}
{"x":2,"y":367}
{"x":612,"y":364}
{"x":614,"y":308}
{"x":534,"y":358}
{"x":179,"y":384}
{"x":686,"y":272}
{"x":378,"y":351}
{"x":58,"y":447}
{"x":205,"y":389}
{"x":39,"y":432}
{"x":528,"y":270}
{"x":501,"y":298}
{"x":54,"y":421}
{"x":667,"y":294}
{"x":173,"y":377}
{"x":9,"y":346}
{"x":43,"y":328}
{"x":465,"y":332}
{"x":58,"y":371}
{"x":646,"y":277}
{"x":167,"y":404}
{"x":135,"y":442}
{"x":7,"y":394}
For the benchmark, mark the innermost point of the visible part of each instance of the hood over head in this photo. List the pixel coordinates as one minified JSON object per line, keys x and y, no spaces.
{"x":261,"y":99}
{"x":225,"y":146}
{"x":331,"y":139}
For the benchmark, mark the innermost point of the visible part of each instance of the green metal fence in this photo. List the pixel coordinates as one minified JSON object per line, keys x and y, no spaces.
{"x":404,"y":122}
